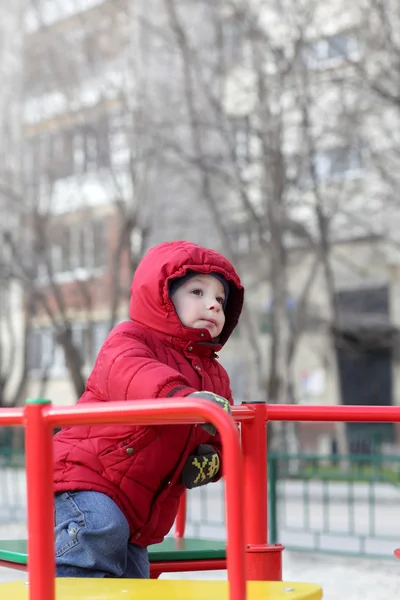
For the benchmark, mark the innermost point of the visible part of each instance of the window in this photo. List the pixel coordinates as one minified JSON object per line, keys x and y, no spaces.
{"x":88,"y":337}
{"x":245,"y":238}
{"x":101,"y":330}
{"x":91,"y":146}
{"x":241,"y":139}
{"x":66,"y":152}
{"x":309,"y":319}
{"x":60,"y":155}
{"x":232,"y":40}
{"x":67,"y":56}
{"x":95,"y":146}
{"x":332,"y":50}
{"x":31,"y":159}
{"x":45,"y":354}
{"x":338,"y":163}
{"x":77,"y":246}
{"x":38,"y":75}
{"x":239,"y":379}
{"x":88,"y":246}
{"x":40,"y":349}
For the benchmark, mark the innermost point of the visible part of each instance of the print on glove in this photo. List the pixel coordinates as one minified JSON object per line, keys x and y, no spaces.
{"x":202,"y":467}
{"x":208,"y":469}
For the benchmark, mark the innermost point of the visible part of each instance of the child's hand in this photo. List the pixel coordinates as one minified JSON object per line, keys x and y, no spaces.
{"x":220,"y":400}
{"x":201,"y":468}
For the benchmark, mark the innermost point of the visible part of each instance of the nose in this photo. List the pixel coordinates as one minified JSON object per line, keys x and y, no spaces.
{"x":214,"y":305}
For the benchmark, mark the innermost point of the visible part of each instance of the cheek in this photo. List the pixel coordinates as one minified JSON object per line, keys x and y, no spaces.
{"x":189,"y":308}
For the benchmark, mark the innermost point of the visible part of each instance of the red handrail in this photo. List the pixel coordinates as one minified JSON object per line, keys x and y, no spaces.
{"x":263,"y":560}
{"x":180,"y":521}
{"x":40,"y":419}
{"x":244,"y":413}
{"x":366,"y":414}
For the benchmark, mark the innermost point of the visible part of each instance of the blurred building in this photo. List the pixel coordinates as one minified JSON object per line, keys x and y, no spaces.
{"x":80,"y":213}
{"x":97,"y":86}
{"x":111,"y":166}
{"x":323,"y":108}
{"x":12,"y":318}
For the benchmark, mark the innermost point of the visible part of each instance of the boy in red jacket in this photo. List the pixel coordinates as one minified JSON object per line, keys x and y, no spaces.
{"x":117,"y":488}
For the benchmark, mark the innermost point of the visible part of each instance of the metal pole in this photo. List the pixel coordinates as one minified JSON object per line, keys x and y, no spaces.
{"x":181,"y":517}
{"x":172,"y":411}
{"x":362,"y":414}
{"x":39,"y":471}
{"x":263,"y":560}
{"x":272,"y":480}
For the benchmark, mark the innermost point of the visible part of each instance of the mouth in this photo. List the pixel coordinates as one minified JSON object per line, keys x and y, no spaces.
{"x":210,"y":321}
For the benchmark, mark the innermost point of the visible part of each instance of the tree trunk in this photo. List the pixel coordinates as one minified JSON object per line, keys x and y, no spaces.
{"x":73,"y":360}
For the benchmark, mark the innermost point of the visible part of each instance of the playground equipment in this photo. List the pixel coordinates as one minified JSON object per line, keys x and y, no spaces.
{"x":249,"y":556}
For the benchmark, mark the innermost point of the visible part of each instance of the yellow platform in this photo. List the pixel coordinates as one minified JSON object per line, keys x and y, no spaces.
{"x":151,"y":589}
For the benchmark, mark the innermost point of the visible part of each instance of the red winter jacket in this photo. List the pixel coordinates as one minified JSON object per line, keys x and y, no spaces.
{"x":151,"y":356}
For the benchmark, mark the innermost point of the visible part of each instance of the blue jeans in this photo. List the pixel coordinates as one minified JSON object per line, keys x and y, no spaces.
{"x":92,"y":539}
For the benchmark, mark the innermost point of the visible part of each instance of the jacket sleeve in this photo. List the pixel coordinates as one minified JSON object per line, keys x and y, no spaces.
{"x":128,"y":370}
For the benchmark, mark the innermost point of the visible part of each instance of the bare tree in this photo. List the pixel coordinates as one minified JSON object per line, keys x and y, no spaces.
{"x":84,"y":168}
{"x":243,"y":77}
{"x":14,"y":325}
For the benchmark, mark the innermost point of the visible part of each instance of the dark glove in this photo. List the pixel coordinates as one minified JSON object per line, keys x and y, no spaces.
{"x":220,"y":400}
{"x":201,"y":468}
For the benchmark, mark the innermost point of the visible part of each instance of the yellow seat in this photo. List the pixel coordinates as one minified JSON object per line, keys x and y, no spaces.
{"x":150,"y":589}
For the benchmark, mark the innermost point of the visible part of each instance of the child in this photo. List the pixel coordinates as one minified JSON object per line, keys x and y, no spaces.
{"x":118,"y":486}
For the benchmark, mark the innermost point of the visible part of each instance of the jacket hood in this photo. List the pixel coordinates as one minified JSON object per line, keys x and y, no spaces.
{"x":150,"y":303}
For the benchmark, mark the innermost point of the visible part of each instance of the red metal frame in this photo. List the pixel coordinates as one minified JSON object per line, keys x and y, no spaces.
{"x":40,"y":419}
{"x":156,"y":568}
{"x":173,"y":566}
{"x":40,"y":513}
{"x":363,"y":414}
{"x":10,"y":564}
{"x":180,"y":521}
{"x":263,"y":561}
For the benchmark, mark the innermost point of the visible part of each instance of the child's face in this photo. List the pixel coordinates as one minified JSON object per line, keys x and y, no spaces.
{"x":198,"y":303}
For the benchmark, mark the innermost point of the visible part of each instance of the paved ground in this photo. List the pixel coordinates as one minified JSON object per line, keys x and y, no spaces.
{"x":340,"y":578}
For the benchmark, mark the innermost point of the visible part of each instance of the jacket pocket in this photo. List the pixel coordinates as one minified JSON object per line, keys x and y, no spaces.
{"x":127,"y":447}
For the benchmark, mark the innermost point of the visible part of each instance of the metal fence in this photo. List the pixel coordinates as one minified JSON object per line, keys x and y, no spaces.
{"x":317,"y":503}
{"x":12,"y":486}
{"x":345,"y":505}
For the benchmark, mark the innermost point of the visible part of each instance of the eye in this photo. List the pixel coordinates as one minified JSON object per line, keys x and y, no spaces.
{"x":220,"y":300}
{"x":197,"y":292}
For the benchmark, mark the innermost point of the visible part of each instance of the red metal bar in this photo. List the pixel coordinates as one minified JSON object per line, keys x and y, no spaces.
{"x":173,"y":566}
{"x":181,"y":517}
{"x":39,"y":471}
{"x":254,"y":452}
{"x":241,"y":414}
{"x":263,"y":562}
{"x":116,"y":412}
{"x":10,"y":564}
{"x":372,"y":414}
{"x":39,"y":421}
{"x":11,"y":416}
{"x":40,"y":500}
